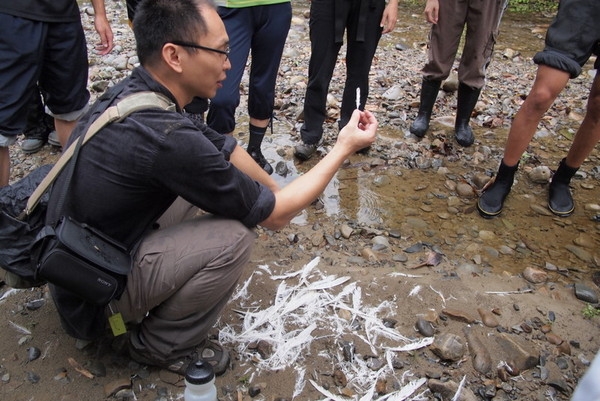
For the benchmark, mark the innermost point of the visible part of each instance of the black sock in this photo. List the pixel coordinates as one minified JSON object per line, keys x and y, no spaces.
{"x":256,"y":136}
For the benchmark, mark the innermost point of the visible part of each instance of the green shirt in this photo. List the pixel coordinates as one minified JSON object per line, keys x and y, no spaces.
{"x":248,"y":3}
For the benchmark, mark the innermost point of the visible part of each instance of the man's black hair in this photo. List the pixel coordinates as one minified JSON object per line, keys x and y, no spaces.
{"x":158,"y":22}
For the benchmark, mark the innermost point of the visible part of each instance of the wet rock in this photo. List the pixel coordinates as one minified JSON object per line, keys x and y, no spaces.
{"x":581,"y":253}
{"x":541,"y":210}
{"x":585,"y":241}
{"x":585,"y":293}
{"x":459,"y":315}
{"x":368,"y":254}
{"x":480,"y":356}
{"x":281,"y":168}
{"x":539,"y":174}
{"x":346,"y":231}
{"x":35,"y":304}
{"x":33,"y":353}
{"x":535,"y":276}
{"x":447,"y":390}
{"x":451,"y":83}
{"x":448,"y":346}
{"x":375,"y":363}
{"x":464,"y":190}
{"x":424,"y":327}
{"x":487,"y":235}
{"x":555,"y":378}
{"x":518,"y":356}
{"x":487,"y":317}
{"x":253,"y":391}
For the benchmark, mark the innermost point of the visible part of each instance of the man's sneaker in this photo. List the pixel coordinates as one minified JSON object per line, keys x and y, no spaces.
{"x":53,"y":139}
{"x":258,"y":157}
{"x":304,"y":151}
{"x":210,"y":351}
{"x":35,"y":139}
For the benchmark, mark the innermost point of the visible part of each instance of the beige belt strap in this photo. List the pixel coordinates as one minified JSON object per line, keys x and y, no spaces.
{"x":123,"y":108}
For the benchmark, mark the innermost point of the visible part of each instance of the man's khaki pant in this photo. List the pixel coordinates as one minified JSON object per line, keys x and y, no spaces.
{"x":183,"y":275}
{"x":482,"y":20}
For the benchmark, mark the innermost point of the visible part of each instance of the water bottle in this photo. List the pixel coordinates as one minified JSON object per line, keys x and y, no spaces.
{"x":200,"y":382}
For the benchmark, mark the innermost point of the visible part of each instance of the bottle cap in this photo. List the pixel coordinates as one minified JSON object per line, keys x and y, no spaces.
{"x":199,"y":372}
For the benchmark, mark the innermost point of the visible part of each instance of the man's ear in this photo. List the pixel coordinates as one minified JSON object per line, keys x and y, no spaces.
{"x":171,"y":55}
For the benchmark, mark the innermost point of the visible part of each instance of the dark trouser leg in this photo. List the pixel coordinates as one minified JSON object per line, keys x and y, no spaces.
{"x":467,"y":98}
{"x":39,"y":125}
{"x":324,"y":52}
{"x":491,"y":201}
{"x":560,"y":200}
{"x":429,"y":92}
{"x":363,"y":33}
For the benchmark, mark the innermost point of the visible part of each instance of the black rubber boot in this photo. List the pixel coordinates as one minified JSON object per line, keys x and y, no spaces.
{"x":560,"y":200}
{"x":467,"y":99}
{"x":429,"y":92}
{"x":492,"y":199}
{"x":254,"y":143}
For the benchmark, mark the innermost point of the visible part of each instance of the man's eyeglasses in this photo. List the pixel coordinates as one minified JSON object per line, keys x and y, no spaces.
{"x":195,"y":46}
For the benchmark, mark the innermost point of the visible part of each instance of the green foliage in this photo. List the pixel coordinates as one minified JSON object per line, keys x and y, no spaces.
{"x":590,"y":312}
{"x":519,"y":6}
{"x":527,"y":6}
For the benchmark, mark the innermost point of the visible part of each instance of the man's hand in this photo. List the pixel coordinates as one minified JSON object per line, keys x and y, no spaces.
{"x":431,"y":12}
{"x":102,"y":27}
{"x":359,"y":133}
{"x":389,"y":17}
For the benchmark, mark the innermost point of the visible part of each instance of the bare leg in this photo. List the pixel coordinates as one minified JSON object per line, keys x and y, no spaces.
{"x":64,"y":130}
{"x":4,"y":166}
{"x":588,"y":133}
{"x":549,"y":82}
{"x":259,"y":123}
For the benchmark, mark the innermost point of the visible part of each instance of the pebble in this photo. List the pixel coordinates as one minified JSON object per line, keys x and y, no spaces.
{"x":487,"y":317}
{"x":585,"y":293}
{"x":448,"y":346}
{"x":535,"y":276}
{"x":424,"y":327}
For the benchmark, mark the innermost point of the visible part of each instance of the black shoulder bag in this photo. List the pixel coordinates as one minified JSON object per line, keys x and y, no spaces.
{"x":73,"y":255}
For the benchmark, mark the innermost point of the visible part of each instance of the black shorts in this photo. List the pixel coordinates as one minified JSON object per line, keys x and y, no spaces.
{"x":53,"y":55}
{"x":573,"y":37}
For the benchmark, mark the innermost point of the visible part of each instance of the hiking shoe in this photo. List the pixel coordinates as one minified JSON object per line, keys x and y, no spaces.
{"x":32,"y":145}
{"x":258,"y":157}
{"x":35,"y":139}
{"x":304,"y":151}
{"x":208,"y":350}
{"x":53,"y":139}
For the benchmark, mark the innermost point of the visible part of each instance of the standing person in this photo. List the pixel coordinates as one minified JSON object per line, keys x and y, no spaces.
{"x":160,"y":168}
{"x":364,"y":22}
{"x":43,"y":43}
{"x":259,"y":27}
{"x":572,"y":38}
{"x":449,"y":18}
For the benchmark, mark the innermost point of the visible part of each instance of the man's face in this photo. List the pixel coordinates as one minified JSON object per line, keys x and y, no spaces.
{"x":205,"y":68}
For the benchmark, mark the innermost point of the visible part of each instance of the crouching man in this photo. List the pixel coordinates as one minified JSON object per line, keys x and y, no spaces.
{"x":142,"y":181}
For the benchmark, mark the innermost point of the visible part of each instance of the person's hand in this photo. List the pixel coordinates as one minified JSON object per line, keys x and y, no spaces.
{"x":359,"y":133}
{"x":431,"y":12}
{"x":389,"y":17}
{"x":106,"y":35}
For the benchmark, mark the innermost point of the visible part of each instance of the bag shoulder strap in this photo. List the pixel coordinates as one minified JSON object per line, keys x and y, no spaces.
{"x":124,"y":107}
